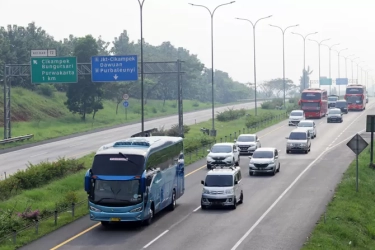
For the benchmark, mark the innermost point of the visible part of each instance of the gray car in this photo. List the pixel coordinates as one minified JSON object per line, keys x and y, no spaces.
{"x":264,"y":160}
{"x":334,"y":115}
{"x":299,"y":140}
{"x":247,"y":143}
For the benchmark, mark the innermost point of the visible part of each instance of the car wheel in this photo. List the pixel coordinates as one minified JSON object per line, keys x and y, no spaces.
{"x":238,"y":162}
{"x":278,"y":170}
{"x":287,"y":151}
{"x":251,"y":173}
{"x":173,"y":204}
{"x":306,"y":151}
{"x":241,"y":198}
{"x":234,"y":206}
{"x":274,"y":172}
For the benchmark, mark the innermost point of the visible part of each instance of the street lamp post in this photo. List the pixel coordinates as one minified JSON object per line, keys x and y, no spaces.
{"x":358,"y":71}
{"x":338,"y":65}
{"x":141,"y":3}
{"x":352,"y":60}
{"x":304,"y":55}
{"x":346,"y":64}
{"x":330,"y":49}
{"x":255,"y":72}
{"x":319,"y":44}
{"x":213,"y":131}
{"x":283,"y":35}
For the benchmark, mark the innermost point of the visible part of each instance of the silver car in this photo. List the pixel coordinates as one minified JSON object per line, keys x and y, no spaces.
{"x":264,"y":160}
{"x":247,"y":143}
{"x":299,"y":140}
{"x":222,"y":187}
{"x":308,"y":125}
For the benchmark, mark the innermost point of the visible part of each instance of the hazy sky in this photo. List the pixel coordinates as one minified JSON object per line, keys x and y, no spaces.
{"x":347,"y":22}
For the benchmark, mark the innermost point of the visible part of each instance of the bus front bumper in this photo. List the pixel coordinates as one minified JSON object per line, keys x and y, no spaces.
{"x":97,"y":214}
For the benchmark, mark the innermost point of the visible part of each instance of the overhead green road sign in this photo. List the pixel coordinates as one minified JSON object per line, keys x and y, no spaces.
{"x":325,"y":81}
{"x":54,"y":70}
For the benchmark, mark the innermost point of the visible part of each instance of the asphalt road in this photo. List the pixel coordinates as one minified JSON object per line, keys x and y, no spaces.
{"x":85,"y":144}
{"x":278,"y":211}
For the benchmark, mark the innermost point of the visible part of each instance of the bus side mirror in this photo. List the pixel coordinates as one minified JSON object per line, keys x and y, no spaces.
{"x":88,"y":181}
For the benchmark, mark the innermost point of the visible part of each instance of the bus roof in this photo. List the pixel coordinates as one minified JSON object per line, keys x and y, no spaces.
{"x":316,"y":90}
{"x":355,"y":86}
{"x":138,"y":145}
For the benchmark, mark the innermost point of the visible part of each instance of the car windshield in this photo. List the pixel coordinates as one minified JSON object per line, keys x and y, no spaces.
{"x":334,"y":111}
{"x":341,"y":104}
{"x":305,"y":124}
{"x":246,"y":138}
{"x":262,"y":154}
{"x":296,"y":113}
{"x":332,"y":98}
{"x":221,"y":149}
{"x":118,"y":165}
{"x":117,"y":192}
{"x":297,"y":136}
{"x":219,"y":181}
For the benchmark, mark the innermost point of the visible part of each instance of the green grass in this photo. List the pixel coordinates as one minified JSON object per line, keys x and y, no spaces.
{"x":350,"y":217}
{"x":47,"y":117}
{"x":56,"y":190}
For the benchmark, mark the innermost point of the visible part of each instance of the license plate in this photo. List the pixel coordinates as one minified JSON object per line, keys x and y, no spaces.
{"x":115,"y":219}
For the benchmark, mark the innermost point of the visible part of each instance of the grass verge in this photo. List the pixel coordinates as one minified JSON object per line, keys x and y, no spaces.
{"x":46,"y":117}
{"x":349,"y":221}
{"x":73,"y":183}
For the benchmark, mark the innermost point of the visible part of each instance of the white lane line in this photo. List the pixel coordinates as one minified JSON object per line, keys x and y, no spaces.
{"x":31,"y":156}
{"x":288,"y":188}
{"x":195,"y":210}
{"x":161,"y":235}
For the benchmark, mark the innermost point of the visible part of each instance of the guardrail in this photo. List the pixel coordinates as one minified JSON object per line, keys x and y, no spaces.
{"x":17,"y":139}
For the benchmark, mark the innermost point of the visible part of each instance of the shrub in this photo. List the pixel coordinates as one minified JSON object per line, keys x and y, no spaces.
{"x":251,"y":120}
{"x":154,"y":110}
{"x":268,"y":105}
{"x":195,"y":104}
{"x":29,"y":215}
{"x":46,"y":90}
{"x":173,"y":131}
{"x":230,"y":115}
{"x":38,"y":175}
{"x":67,"y":200}
{"x":9,"y":221}
{"x":174,"y":105}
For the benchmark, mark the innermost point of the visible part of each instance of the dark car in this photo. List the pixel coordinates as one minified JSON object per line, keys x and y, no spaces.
{"x":343,"y":105}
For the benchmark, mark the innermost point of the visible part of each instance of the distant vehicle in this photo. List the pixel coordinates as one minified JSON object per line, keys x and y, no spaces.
{"x":247,"y":143}
{"x":314,"y":102}
{"x":309,"y":125}
{"x":264,"y":160}
{"x":295,"y":117}
{"x":135,"y":178}
{"x":355,"y":96}
{"x":332,"y":99}
{"x":223,"y":154}
{"x":334,"y":115}
{"x":222,"y":187}
{"x":299,"y":140}
{"x":342,"y":105}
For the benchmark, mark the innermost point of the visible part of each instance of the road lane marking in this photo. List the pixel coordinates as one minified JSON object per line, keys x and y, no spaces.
{"x":161,"y":235}
{"x":194,"y":171}
{"x":242,"y":239}
{"x":74,"y":237}
{"x":195,"y":210}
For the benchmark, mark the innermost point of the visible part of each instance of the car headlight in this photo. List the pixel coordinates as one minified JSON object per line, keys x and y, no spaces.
{"x":229,"y":191}
{"x":138,"y":209}
{"x":290,"y":144}
{"x":205,"y":191}
{"x":94,"y":209}
{"x":303,"y":144}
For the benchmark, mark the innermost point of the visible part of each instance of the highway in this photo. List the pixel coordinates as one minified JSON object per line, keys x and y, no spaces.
{"x":278,"y":212}
{"x":85,"y":144}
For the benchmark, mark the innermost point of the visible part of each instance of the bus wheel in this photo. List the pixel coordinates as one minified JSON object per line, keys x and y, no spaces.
{"x":151,"y":217}
{"x":173,"y":204}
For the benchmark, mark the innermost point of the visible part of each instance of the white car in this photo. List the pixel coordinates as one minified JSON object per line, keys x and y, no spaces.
{"x":223,"y":154}
{"x":308,"y":125}
{"x":295,"y":117}
{"x":264,"y":160}
{"x":247,"y":143}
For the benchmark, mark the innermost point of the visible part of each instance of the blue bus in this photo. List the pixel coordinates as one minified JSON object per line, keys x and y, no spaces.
{"x":135,"y":178}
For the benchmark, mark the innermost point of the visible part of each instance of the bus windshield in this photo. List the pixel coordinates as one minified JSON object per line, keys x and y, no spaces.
{"x":310,"y":105}
{"x":118,"y":165}
{"x":117,"y":193}
{"x":354,"y":100}
{"x":356,"y":91}
{"x":311,"y":96}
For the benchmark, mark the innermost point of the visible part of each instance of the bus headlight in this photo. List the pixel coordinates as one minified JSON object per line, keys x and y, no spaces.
{"x":94,"y":209}
{"x":138,"y":209}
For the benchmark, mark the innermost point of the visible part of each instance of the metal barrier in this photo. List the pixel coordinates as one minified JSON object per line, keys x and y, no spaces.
{"x":17,"y":139}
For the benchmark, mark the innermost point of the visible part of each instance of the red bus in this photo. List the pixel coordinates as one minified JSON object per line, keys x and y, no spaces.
{"x":356,"y":97}
{"x":314,"y":102}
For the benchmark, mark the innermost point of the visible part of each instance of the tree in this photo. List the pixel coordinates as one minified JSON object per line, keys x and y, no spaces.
{"x":275,"y":87}
{"x":85,"y":97}
{"x":305,"y":75}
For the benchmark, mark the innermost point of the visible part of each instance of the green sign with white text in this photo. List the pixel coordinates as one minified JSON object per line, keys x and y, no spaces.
{"x":54,"y":70}
{"x":325,"y":81}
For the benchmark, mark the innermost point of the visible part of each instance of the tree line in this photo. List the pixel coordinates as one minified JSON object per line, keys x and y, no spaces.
{"x":86,"y":97}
